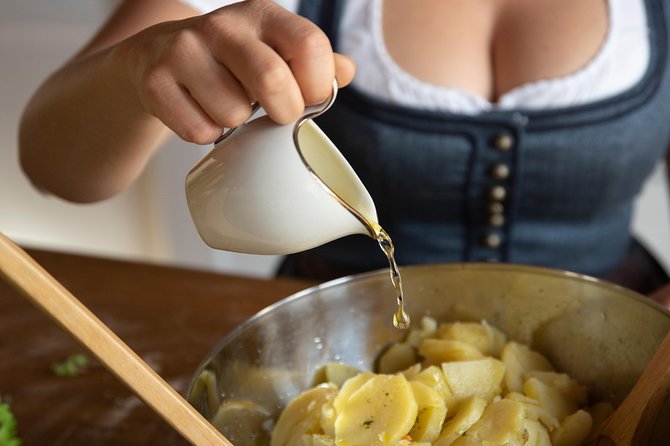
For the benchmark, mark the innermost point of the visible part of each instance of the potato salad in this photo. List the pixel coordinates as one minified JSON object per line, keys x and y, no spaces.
{"x":456,"y":383}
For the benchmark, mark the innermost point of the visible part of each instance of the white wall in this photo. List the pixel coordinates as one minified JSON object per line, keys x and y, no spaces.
{"x":150,"y":221}
{"x":651,"y":222}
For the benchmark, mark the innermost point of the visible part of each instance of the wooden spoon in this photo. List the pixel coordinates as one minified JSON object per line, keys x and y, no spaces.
{"x":632,"y":422}
{"x":50,"y":296}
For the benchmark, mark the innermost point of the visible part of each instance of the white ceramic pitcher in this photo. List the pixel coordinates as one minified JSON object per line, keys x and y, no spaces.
{"x":277,"y":189}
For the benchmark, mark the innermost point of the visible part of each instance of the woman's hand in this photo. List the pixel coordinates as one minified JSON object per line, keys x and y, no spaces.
{"x":90,"y":129}
{"x":200,"y":75}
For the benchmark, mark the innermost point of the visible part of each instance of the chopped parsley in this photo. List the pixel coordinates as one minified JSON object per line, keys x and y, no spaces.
{"x":8,"y":435}
{"x":73,"y":365}
{"x":367,"y":423}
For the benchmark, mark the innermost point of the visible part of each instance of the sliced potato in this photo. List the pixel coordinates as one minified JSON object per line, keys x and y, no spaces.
{"x":431,"y":412}
{"x":537,"y":433}
{"x":328,"y":416}
{"x":574,"y":430}
{"x":498,"y":339}
{"x":481,"y":377}
{"x":317,"y":440}
{"x":486,"y":338}
{"x":563,"y":382}
{"x":243,"y":422}
{"x":396,"y":358}
{"x":412,"y":371}
{"x":349,"y":387}
{"x":534,"y":411}
{"x":434,"y":377}
{"x":558,"y":404}
{"x":519,"y":360}
{"x":302,"y":416}
{"x":380,"y":412}
{"x":337,"y":373}
{"x":428,"y":324}
{"x":469,"y":412}
{"x":427,"y":330}
{"x":408,"y":442}
{"x":502,"y":423}
{"x":206,"y":386}
{"x":437,"y":351}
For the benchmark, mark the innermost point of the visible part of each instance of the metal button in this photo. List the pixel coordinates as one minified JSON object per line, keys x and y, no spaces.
{"x":496,"y":220}
{"x":492,"y":240}
{"x":503,"y":142}
{"x":498,"y":193}
{"x":500,"y":171}
{"x":496,"y":208}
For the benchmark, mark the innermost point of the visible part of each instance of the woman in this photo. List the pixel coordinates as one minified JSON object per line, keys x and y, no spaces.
{"x":507,"y":130}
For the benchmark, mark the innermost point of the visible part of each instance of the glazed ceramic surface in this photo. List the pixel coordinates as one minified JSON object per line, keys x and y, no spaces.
{"x":276,"y":189}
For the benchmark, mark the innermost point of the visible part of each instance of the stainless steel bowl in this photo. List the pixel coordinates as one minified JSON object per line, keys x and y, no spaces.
{"x":600,"y":333}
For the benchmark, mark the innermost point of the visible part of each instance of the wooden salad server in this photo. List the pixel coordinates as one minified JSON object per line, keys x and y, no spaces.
{"x":632,"y":422}
{"x":52,"y":298}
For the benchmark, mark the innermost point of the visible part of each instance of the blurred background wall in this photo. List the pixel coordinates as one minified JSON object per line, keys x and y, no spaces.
{"x":150,"y":221}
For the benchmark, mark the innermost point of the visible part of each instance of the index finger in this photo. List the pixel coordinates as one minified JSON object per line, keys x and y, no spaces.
{"x":305,"y":48}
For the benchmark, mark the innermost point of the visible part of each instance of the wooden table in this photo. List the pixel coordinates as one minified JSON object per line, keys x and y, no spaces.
{"x":171,"y":317}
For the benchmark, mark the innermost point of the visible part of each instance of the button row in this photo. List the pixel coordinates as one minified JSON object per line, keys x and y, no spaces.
{"x":497,"y":193}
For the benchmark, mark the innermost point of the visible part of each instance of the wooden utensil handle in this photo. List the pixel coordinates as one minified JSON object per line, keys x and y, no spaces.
{"x":51,"y":297}
{"x":634,"y":419}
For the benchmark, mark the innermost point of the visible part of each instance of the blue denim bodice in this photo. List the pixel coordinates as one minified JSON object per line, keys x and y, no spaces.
{"x":552,"y":188}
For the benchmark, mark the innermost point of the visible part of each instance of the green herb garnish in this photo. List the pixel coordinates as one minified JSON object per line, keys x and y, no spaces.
{"x":73,"y":365}
{"x":8,"y":435}
{"x":367,"y":423}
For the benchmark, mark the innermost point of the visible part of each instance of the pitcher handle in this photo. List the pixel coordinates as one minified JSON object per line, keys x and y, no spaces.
{"x":310,"y":112}
{"x":313,"y":112}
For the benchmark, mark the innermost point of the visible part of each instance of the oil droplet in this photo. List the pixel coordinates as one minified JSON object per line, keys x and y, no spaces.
{"x":401,"y":319}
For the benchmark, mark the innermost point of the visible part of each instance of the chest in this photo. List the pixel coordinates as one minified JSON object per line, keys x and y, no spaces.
{"x":489,"y":47}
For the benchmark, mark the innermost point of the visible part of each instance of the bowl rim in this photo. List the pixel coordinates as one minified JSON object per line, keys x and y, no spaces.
{"x":538,"y":270}
{"x":451,"y":266}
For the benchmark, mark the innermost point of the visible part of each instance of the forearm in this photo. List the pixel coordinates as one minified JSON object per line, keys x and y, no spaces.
{"x":85,"y":135}
{"x":92,"y":126}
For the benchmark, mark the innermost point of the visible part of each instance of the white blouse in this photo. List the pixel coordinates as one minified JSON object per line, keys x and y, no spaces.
{"x":619,"y":64}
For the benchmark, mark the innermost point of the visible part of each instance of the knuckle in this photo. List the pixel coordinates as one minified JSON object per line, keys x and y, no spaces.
{"x":212,"y":24}
{"x":184,"y":43}
{"x":260,"y":6}
{"x":272,"y":79}
{"x":312,"y":42}
{"x":154,"y":81}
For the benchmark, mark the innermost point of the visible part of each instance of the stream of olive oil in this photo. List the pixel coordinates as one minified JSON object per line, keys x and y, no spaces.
{"x":401,"y":319}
